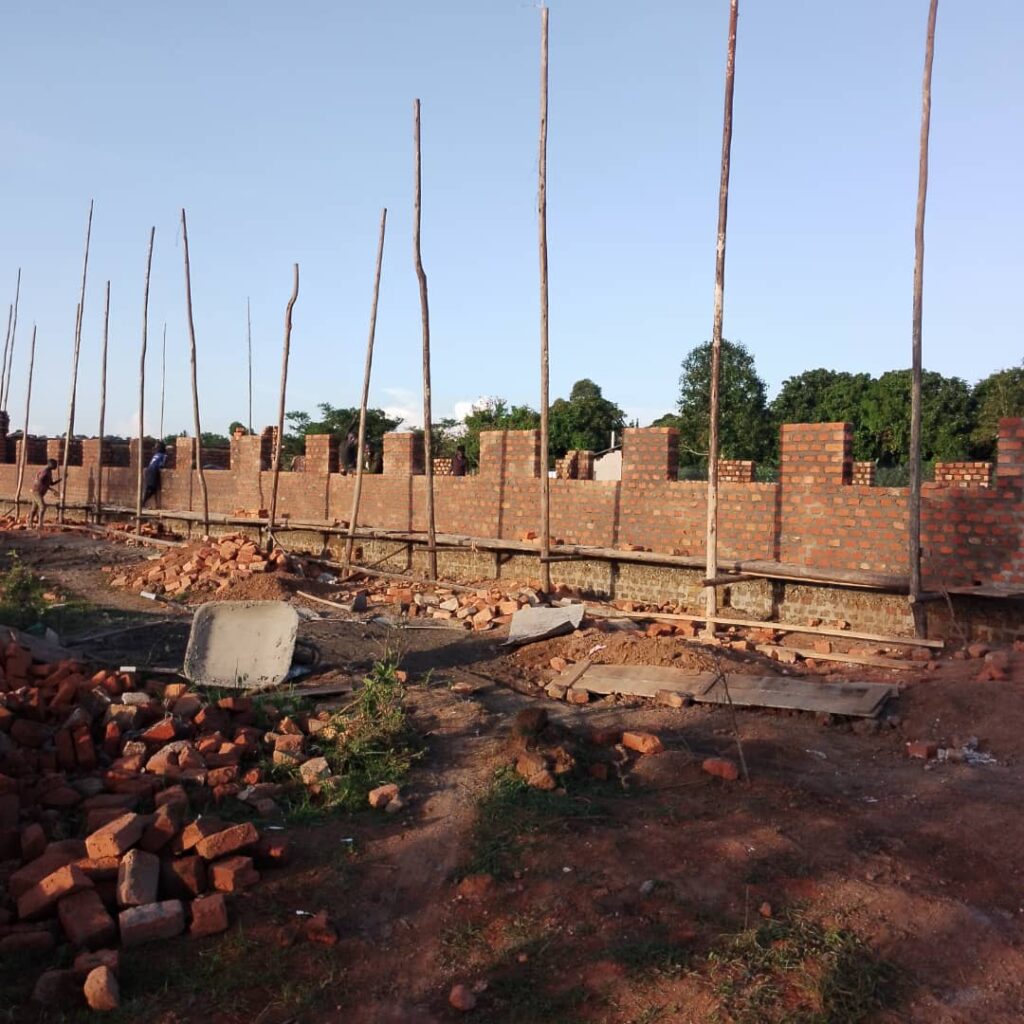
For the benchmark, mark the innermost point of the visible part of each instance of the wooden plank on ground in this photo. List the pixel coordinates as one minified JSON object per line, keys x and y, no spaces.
{"x":633,"y":680}
{"x":854,"y":699}
{"x":848,"y":659}
{"x":861,"y":700}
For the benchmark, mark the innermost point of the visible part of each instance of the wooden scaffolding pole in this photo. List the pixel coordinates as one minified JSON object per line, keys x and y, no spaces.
{"x":142,"y":384}
{"x":103,"y":406}
{"x":248,"y":338}
{"x":23,"y":455}
{"x":280,"y":407}
{"x":79,"y":316}
{"x":195,"y":387}
{"x":428,"y":440}
{"x":914,"y":526}
{"x":364,"y":399}
{"x":710,"y":595}
{"x":542,"y":230}
{"x":7,"y":345}
{"x":9,"y":348}
{"x":163,"y":378}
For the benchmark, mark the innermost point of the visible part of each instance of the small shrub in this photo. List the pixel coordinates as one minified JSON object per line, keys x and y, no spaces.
{"x":21,"y":595}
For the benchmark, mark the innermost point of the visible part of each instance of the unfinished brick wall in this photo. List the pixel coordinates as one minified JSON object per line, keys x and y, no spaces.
{"x":864,"y":474}
{"x":815,"y":515}
{"x":963,"y":474}
{"x":736,"y":471}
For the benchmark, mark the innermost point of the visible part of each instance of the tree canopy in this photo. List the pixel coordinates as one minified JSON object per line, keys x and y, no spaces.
{"x":744,"y":430}
{"x":337,"y":422}
{"x":585,"y":421}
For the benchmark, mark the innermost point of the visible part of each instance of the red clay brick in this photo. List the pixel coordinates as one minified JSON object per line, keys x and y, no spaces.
{"x":41,"y":898}
{"x":117,"y":836}
{"x":209,"y":915}
{"x":85,"y":920}
{"x":232,"y":874}
{"x":220,"y":844}
{"x":152,"y":922}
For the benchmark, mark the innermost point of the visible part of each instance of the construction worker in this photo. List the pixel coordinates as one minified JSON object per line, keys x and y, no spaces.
{"x":151,"y":476}
{"x":44,"y":483}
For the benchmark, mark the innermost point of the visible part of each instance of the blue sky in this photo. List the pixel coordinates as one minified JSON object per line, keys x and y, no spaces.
{"x":283,"y":129}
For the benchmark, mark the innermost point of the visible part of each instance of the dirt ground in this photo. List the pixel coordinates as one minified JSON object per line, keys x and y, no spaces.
{"x":846,"y":882}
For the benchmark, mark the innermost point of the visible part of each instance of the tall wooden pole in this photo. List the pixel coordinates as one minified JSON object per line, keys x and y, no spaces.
{"x":163,"y":379}
{"x":7,"y":345}
{"x":24,"y":434}
{"x":428,"y":440}
{"x":65,"y":458}
{"x":103,"y":406}
{"x":195,"y":386}
{"x":914,"y":530}
{"x":710,"y":602}
{"x":542,"y":227}
{"x":358,"y":489}
{"x":248,"y":336}
{"x":9,"y":349}
{"x":142,"y":384}
{"x":280,"y":407}
{"x":79,"y":317}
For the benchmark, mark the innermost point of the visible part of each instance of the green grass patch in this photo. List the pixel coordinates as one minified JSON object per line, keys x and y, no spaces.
{"x":509,"y":811}
{"x":795,"y":971}
{"x":645,"y":957}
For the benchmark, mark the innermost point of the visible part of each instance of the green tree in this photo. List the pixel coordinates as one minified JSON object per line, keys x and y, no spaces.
{"x":947,"y":417}
{"x":744,"y":429}
{"x":585,"y":421}
{"x":998,"y":395}
{"x":337,"y":422}
{"x":493,"y":414}
{"x":827,"y":396}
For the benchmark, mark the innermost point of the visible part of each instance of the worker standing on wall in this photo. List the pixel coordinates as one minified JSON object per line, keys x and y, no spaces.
{"x":459,"y":463}
{"x":151,"y":476}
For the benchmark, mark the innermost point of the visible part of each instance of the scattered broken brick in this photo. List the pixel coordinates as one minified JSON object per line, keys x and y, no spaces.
{"x":721,"y":768}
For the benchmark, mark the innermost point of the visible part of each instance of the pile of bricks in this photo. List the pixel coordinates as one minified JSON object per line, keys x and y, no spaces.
{"x":123,"y":766}
{"x":208,"y":567}
{"x":481,"y":609}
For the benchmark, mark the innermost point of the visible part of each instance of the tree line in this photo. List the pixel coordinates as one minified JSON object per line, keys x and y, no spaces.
{"x":958,"y":420}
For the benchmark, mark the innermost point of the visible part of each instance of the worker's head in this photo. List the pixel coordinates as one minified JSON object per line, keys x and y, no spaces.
{"x":52,"y":463}
{"x":461,"y":449}
{"x":161,"y":447}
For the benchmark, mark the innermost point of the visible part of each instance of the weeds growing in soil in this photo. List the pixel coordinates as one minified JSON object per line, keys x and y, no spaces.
{"x":795,"y":971}
{"x":21,"y":595}
{"x":366,"y":744}
{"x":509,"y":810}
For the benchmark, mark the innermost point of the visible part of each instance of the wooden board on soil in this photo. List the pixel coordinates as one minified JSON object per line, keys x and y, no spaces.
{"x":854,"y":699}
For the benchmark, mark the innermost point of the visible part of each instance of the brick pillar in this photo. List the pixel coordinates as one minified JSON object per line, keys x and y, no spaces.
{"x":251,"y":453}
{"x":36,"y":455}
{"x":321,"y":454}
{"x":585,"y":465}
{"x":403,"y":454}
{"x":650,"y":454}
{"x":1010,"y":447}
{"x":736,"y":471}
{"x":864,"y":474}
{"x":184,"y":454}
{"x":816,"y":453}
{"x":510,"y":453}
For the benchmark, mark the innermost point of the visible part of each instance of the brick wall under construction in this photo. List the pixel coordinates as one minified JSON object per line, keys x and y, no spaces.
{"x":816,"y":515}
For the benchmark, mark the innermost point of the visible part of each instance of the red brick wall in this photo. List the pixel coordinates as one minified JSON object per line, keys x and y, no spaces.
{"x":812,"y":516}
{"x":963,"y":474}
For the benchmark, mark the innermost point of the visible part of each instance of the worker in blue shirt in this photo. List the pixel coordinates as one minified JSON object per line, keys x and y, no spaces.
{"x":151,"y":476}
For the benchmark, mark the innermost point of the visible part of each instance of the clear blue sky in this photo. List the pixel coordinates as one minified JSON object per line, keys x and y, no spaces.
{"x":283,"y":129}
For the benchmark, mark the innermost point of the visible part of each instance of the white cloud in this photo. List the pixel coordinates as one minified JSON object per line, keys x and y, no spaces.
{"x":404,"y":403}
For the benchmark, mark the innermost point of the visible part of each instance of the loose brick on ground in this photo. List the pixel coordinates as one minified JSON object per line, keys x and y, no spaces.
{"x":152,"y":922}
